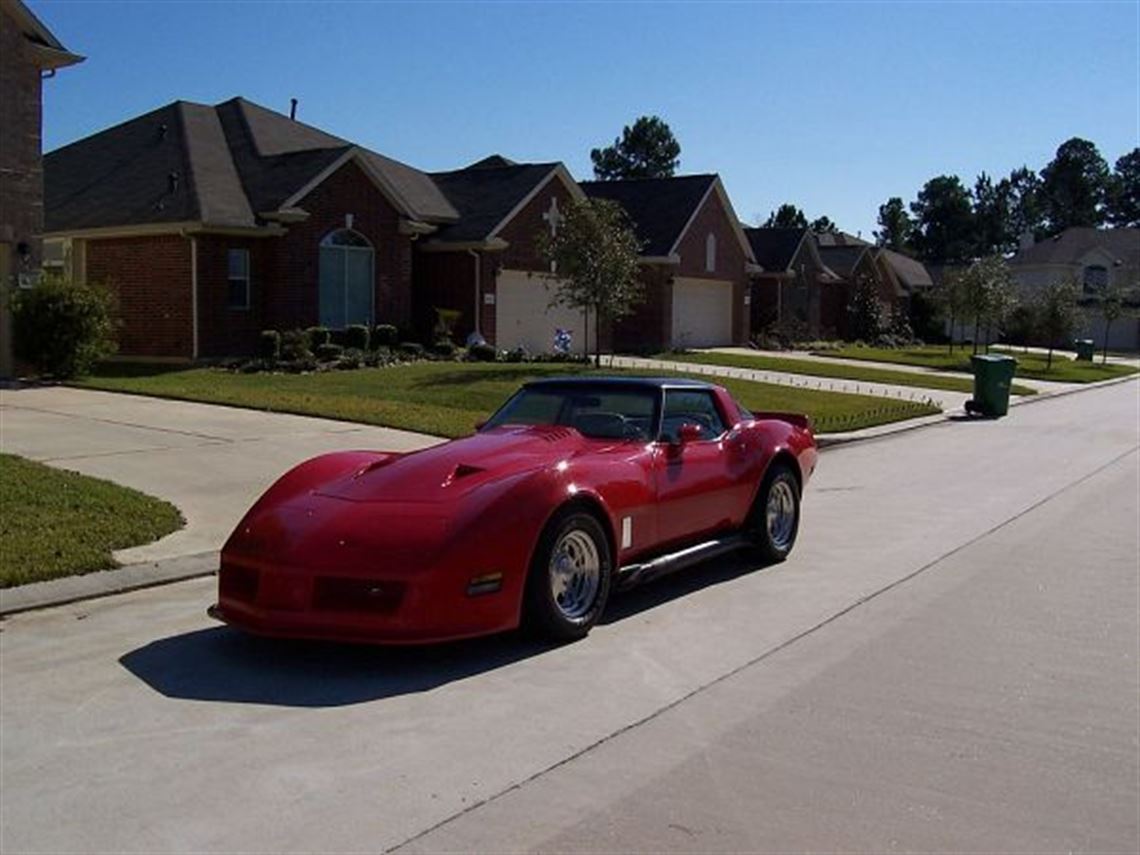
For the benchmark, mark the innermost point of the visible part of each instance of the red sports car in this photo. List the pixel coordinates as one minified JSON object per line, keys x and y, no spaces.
{"x":575,"y":487}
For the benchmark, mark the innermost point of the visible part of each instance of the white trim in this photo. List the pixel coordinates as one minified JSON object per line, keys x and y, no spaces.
{"x":560,"y":171}
{"x":489,"y":245}
{"x":733,"y":221}
{"x":659,"y":259}
{"x":179,"y":228}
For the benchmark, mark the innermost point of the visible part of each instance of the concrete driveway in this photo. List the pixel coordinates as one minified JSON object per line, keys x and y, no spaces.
{"x":210,"y":461}
{"x":948,"y":662}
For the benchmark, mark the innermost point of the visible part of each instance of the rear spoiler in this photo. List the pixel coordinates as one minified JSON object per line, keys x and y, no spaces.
{"x":800,"y":420}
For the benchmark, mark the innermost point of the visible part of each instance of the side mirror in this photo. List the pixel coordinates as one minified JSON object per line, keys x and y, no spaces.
{"x":689,"y":433}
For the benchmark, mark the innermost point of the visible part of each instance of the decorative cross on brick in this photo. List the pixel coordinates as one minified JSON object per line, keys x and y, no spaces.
{"x":553,"y":216}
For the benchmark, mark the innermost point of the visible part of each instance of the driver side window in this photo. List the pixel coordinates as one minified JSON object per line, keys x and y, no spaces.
{"x":695,"y":407}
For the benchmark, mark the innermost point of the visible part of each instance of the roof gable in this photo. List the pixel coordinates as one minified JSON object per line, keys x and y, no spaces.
{"x":1121,"y":245}
{"x":775,"y":249}
{"x":488,"y":196}
{"x":660,"y":209}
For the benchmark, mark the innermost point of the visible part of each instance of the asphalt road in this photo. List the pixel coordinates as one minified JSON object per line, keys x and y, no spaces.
{"x":948,"y":662}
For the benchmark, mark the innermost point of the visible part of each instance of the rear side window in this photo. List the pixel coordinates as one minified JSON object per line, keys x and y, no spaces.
{"x":692,"y":407}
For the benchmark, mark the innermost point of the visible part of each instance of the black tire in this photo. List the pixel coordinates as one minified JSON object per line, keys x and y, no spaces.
{"x":580,"y":542}
{"x":773,"y":541}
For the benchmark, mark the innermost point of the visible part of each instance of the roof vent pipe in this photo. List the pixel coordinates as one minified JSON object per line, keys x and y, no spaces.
{"x":293,"y":108}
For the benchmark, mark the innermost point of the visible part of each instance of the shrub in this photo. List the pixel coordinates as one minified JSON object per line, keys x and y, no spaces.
{"x":519,"y":354}
{"x":328,"y":352}
{"x":62,"y":328}
{"x":385,"y":335}
{"x":410,"y":348}
{"x":443,"y":348}
{"x":349,"y":361}
{"x":295,"y":345}
{"x":356,"y":337}
{"x":269,"y":345}
{"x":318,"y":336}
{"x":482,"y":353}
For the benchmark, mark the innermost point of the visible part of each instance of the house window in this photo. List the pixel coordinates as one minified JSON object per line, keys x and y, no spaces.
{"x":1096,"y":279}
{"x":237,"y":294}
{"x":710,"y":253}
{"x":346,"y":280}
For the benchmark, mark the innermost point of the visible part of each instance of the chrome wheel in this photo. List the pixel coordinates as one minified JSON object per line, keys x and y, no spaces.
{"x":780,"y":514}
{"x":575,"y":571}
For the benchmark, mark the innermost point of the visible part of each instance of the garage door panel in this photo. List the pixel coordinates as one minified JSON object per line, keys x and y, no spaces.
{"x":702,"y":312}
{"x":524,"y":316}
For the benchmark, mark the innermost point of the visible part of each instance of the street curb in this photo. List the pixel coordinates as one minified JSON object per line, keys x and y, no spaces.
{"x":106,"y":583}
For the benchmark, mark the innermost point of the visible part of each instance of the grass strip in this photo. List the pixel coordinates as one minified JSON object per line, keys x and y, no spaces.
{"x":1030,"y":365}
{"x":55,"y":523}
{"x":857,"y":373}
{"x":447,"y":398}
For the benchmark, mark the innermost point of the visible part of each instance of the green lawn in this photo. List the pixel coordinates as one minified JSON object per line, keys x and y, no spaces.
{"x":55,"y":523}
{"x":447,"y":398}
{"x":1029,"y":365}
{"x":859,"y":373}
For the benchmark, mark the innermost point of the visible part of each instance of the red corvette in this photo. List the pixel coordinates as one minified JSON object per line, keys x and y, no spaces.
{"x":575,"y":487}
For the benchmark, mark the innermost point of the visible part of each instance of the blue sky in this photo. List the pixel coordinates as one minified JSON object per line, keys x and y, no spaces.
{"x":834,"y":106}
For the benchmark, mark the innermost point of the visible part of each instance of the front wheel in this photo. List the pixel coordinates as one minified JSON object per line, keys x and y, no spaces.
{"x":775,"y":518}
{"x":569,"y":579}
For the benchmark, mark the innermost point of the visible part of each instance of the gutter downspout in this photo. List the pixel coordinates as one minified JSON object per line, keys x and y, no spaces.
{"x":478,"y":299}
{"x":194,"y":295}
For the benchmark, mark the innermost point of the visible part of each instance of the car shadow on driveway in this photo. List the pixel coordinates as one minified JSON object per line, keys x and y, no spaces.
{"x":225,"y":665}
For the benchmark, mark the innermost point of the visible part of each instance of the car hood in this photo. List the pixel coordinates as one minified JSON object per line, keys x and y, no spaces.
{"x":450,"y":471}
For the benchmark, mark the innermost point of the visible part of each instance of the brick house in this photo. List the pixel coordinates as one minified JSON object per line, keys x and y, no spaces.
{"x":695,"y":263}
{"x":215,"y":222}
{"x":794,"y":282}
{"x":28,"y":54}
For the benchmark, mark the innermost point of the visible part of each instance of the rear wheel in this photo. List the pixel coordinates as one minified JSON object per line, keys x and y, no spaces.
{"x":775,"y":518}
{"x":569,"y":580}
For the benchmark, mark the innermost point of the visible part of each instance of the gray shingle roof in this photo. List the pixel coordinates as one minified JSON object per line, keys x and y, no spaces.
{"x":775,"y":248}
{"x":842,"y":259}
{"x":221,"y":165}
{"x":484,"y":193}
{"x":1069,"y":246}
{"x":912,"y":273}
{"x":659,"y":208}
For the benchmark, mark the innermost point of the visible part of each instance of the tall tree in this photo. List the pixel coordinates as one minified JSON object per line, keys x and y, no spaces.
{"x":1024,"y":204}
{"x":894,"y":226}
{"x":944,"y":221}
{"x":991,"y":216}
{"x":1074,"y":186}
{"x":646,"y":150}
{"x":823,"y":225}
{"x":1124,"y":193}
{"x":787,"y":216}
{"x":595,"y":253}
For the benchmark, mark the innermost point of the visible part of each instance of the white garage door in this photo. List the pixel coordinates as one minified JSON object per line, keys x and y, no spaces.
{"x":702,"y":312}
{"x":524,"y":316}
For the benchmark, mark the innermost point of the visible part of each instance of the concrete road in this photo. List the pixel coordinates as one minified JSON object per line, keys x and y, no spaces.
{"x":212,"y":462}
{"x":947,"y":662}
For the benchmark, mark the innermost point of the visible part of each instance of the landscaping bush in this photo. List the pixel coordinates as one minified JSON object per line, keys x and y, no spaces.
{"x":385,"y":335}
{"x":410,"y":348}
{"x":443,"y":348}
{"x":519,"y":354}
{"x":482,"y":353}
{"x":350,"y":360}
{"x":356,"y":337}
{"x":62,"y":328}
{"x":269,"y":345}
{"x":318,"y":336}
{"x":295,"y":345}
{"x":328,"y":352}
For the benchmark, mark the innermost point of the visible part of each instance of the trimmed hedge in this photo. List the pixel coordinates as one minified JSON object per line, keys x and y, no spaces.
{"x":62,"y":328}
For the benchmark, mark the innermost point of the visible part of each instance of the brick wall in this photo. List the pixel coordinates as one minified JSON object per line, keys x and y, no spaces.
{"x":649,"y":328}
{"x":224,"y":331}
{"x":21,"y":168}
{"x":730,"y":259}
{"x":523,"y":230}
{"x":293,"y":269}
{"x":151,"y":278}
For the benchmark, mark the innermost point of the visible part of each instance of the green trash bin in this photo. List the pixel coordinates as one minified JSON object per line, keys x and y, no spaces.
{"x":1085,"y":349}
{"x":993,"y":375}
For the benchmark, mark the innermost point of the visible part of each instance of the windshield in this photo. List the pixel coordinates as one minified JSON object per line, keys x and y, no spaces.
{"x":601,"y":412}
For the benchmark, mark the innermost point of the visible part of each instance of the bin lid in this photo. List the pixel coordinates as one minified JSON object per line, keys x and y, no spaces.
{"x":992,"y":357}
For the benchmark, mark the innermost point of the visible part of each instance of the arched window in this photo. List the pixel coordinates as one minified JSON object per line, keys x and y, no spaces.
{"x":346,"y":279}
{"x":1096,"y":279}
{"x":710,"y":253}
